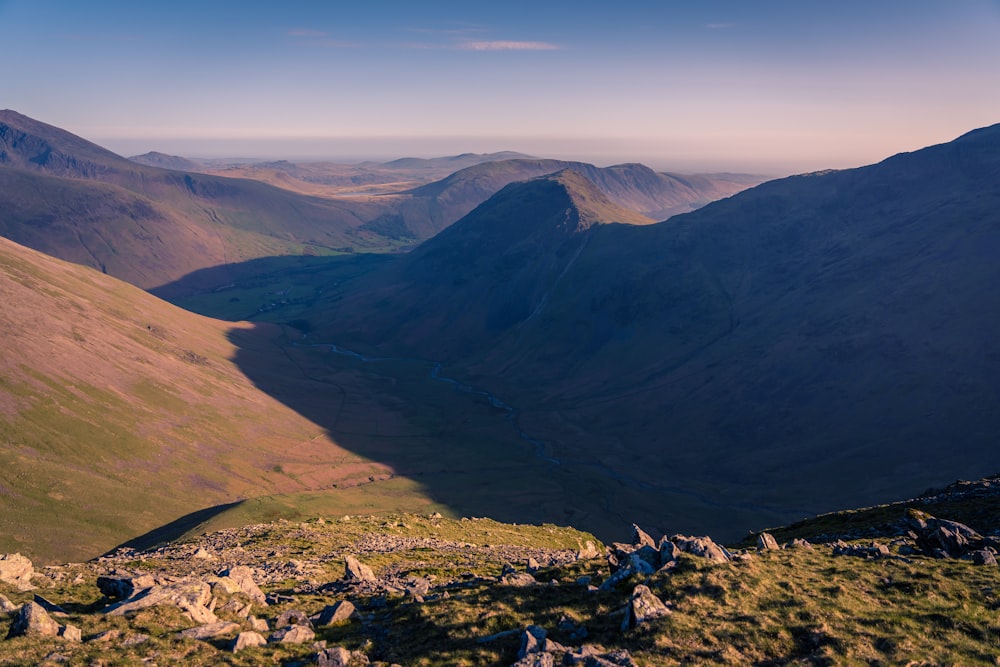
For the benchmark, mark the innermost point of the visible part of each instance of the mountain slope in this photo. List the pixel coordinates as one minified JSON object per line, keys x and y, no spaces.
{"x":818,"y":341}
{"x":206,"y":220}
{"x":119,"y":413}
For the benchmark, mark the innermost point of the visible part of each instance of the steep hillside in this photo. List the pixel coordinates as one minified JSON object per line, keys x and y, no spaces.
{"x":60,"y":191}
{"x":819,"y":341}
{"x":119,"y":413}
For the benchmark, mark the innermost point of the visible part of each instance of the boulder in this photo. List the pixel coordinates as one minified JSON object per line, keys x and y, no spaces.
{"x":246,"y":640}
{"x":243,"y":577}
{"x":518,"y":579}
{"x":668,"y":552}
{"x":587,"y":551}
{"x":17,"y":570}
{"x":703,"y":547}
{"x":71,"y":633}
{"x":984,"y":557}
{"x":292,"y":617}
{"x":33,"y":621}
{"x":6,"y":606}
{"x":338,"y":656}
{"x":292,"y":634}
{"x":257,"y":624}
{"x":335,"y":613}
{"x":355,"y":570}
{"x":536,"y":660}
{"x":643,"y":606}
{"x":532,"y":640}
{"x":209,"y":630}
{"x":191,"y":595}
{"x":641,"y":538}
{"x":766,"y":541}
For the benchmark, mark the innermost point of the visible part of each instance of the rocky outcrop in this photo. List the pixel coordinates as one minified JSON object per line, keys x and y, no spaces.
{"x":243,"y":577}
{"x":190,"y":595}
{"x":17,"y":570}
{"x":703,"y":547}
{"x":766,"y":541}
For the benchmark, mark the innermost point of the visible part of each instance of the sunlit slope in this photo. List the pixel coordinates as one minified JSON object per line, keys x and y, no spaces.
{"x":119,"y":413}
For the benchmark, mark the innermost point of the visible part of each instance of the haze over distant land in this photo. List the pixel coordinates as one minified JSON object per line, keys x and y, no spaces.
{"x":770,"y":86}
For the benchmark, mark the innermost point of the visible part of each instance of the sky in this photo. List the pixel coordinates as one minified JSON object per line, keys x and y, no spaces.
{"x":770,"y":86}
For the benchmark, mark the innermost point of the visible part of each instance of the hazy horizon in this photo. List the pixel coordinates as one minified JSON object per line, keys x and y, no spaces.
{"x":768,"y":87}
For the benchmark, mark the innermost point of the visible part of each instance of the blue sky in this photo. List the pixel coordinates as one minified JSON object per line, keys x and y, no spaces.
{"x":762,"y":85}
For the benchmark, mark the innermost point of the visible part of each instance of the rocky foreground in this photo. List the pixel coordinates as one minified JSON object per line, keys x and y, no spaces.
{"x":426,"y":590}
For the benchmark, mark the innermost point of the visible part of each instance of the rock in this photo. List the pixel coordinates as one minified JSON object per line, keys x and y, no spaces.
{"x":871,"y":552}
{"x":536,"y":660}
{"x":6,"y":606}
{"x":587,"y":551}
{"x":33,"y":621}
{"x":243,"y":576}
{"x":209,"y":631}
{"x":133,"y":640}
{"x":17,"y":570}
{"x":293,"y":634}
{"x":645,"y":558}
{"x":116,"y":588}
{"x":518,"y":579}
{"x":642,"y":607}
{"x":766,"y":541}
{"x":703,"y":547}
{"x":337,"y":656}
{"x":107,"y":636}
{"x":355,"y":570}
{"x":984,"y":557}
{"x":258,"y":624}
{"x":533,"y":565}
{"x":202,"y":554}
{"x":246,"y":640}
{"x":335,"y":613}
{"x":532,"y":640}
{"x":641,"y":538}
{"x":191,"y":595}
{"x":71,"y":633}
{"x":292,"y":617}
{"x":800,"y":543}
{"x":572,"y":628}
{"x":668,"y":552}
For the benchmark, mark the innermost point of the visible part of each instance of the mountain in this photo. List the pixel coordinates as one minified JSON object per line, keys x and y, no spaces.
{"x":819,"y":341}
{"x":156,"y":159}
{"x":120,"y":413}
{"x":73,"y":199}
{"x":633,"y":186}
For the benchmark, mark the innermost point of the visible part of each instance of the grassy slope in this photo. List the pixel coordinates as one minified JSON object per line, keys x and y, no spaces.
{"x":119,"y":413}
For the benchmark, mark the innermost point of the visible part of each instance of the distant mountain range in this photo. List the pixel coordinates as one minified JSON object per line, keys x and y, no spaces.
{"x":817,"y":341}
{"x":154,"y":225}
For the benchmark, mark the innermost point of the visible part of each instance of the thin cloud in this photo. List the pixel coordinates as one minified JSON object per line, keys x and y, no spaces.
{"x":506,"y":45}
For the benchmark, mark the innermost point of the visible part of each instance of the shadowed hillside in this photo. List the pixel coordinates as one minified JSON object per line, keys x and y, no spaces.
{"x":819,"y":341}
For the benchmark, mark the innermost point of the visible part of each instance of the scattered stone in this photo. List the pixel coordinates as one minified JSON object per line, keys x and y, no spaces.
{"x":243,"y":576}
{"x":209,"y":631}
{"x":17,"y":570}
{"x":587,"y":551}
{"x":190,"y":595}
{"x":293,"y":634}
{"x":642,"y":607}
{"x":246,"y":640}
{"x":536,"y":660}
{"x":107,"y":636}
{"x":518,"y":579}
{"x":71,"y":633}
{"x":703,"y":547}
{"x":766,"y":541}
{"x":355,"y":570}
{"x":292,"y":617}
{"x":532,"y":640}
{"x":336,"y":613}
{"x":33,"y":621}
{"x":800,"y":543}
{"x":873,"y":551}
{"x":984,"y":557}
{"x":337,"y":656}
{"x":202,"y":554}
